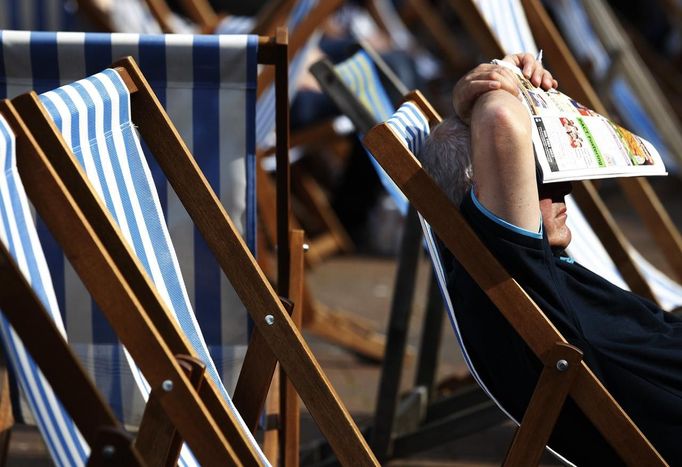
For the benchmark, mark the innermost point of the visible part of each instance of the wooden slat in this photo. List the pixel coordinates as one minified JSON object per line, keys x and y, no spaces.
{"x":291,"y":407}
{"x":545,"y":406}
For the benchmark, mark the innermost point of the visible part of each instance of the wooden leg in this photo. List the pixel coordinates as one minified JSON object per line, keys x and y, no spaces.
{"x":6,"y":415}
{"x":291,"y":407}
{"x":272,"y":431}
{"x":114,"y":447}
{"x":158,"y":440}
{"x":255,"y":378}
{"x":560,"y":369}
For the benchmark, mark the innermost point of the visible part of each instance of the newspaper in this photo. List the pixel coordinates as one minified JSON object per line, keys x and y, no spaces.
{"x":572,"y":142}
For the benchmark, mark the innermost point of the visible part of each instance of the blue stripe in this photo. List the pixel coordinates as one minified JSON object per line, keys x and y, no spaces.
{"x":45,"y":65}
{"x":14,"y":15}
{"x":250,"y":112}
{"x":39,"y":9}
{"x":43,"y":50}
{"x":3,"y":71}
{"x":152,"y":59}
{"x":206,"y":131}
{"x":98,"y":54}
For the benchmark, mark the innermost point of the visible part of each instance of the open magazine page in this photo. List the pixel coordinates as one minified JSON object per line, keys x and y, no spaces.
{"x":572,"y":142}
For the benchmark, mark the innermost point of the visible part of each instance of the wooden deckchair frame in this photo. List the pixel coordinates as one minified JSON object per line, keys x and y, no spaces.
{"x":126,"y":314}
{"x":267,"y":311}
{"x":638,"y":190}
{"x":564,"y":371}
{"x":67,"y":377}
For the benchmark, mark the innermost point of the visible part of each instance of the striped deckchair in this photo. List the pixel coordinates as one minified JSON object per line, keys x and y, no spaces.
{"x":32,"y":322}
{"x":201,"y":81}
{"x":509,"y":24}
{"x":96,"y":110}
{"x":117,"y":164}
{"x":394,"y":144}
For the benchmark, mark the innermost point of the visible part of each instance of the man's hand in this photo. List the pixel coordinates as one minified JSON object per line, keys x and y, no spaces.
{"x":533,"y":70}
{"x":484,"y":78}
{"x":488,"y":77}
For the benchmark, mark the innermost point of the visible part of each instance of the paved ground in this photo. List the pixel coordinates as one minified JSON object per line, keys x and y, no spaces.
{"x":363,"y":285}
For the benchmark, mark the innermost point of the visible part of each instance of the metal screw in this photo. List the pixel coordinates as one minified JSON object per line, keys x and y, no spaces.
{"x":269,"y":320}
{"x":562,"y":365}
{"x":108,"y":451}
{"x":306,"y":247}
{"x":167,"y":385}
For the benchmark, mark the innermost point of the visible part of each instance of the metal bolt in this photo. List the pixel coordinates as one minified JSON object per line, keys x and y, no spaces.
{"x":167,"y":385}
{"x":562,"y":365}
{"x":269,"y":320}
{"x":306,"y":247}
{"x":108,"y":451}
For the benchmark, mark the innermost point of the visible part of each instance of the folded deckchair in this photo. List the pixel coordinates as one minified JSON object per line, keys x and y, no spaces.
{"x":630,"y":268}
{"x":394,"y":144}
{"x":116,"y":155}
{"x":201,"y":80}
{"x":34,"y":338}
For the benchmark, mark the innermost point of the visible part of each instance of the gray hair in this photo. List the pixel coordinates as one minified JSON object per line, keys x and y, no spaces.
{"x":446,"y":157}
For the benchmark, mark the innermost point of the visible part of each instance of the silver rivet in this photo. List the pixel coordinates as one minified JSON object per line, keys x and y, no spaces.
{"x":167,"y":385}
{"x":270,"y":320}
{"x":306,"y":247}
{"x":108,"y":451}
{"x":562,"y":365}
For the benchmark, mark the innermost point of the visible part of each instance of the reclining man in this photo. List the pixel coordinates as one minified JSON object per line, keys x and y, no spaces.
{"x":483,"y":159}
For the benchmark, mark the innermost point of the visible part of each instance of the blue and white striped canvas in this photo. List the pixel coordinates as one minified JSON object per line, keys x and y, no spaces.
{"x":94,"y":117}
{"x":18,"y":234}
{"x":411,"y":125}
{"x":507,"y":19}
{"x":360,"y":75}
{"x":207,"y":85}
{"x":585,"y":247}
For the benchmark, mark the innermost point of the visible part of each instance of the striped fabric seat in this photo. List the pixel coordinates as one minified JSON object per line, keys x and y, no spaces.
{"x":94,"y":118}
{"x":18,"y":234}
{"x":507,"y":19}
{"x":361,"y":76}
{"x":207,"y":85}
{"x":412,"y":127}
{"x":586,"y":248}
